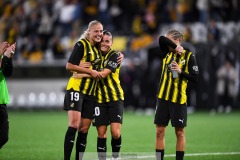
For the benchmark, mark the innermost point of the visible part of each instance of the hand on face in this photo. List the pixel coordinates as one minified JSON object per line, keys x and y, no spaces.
{"x":179,"y":50}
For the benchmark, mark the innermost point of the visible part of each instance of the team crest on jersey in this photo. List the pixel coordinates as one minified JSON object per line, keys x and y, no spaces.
{"x":182,"y":62}
{"x":72,"y":105}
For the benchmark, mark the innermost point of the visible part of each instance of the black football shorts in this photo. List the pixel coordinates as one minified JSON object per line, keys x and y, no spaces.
{"x":77,"y":101}
{"x":166,"y":110}
{"x":107,"y":113}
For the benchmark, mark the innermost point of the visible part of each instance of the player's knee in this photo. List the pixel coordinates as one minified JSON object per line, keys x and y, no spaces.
{"x":3,"y":140}
{"x":84,"y":129}
{"x":160,"y":133}
{"x":116,"y":134}
{"x":180,"y":134}
{"x":74,"y":124}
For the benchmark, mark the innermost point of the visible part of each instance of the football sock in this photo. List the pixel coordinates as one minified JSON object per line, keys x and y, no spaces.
{"x":101,"y":148}
{"x":116,"y":146}
{"x":159,"y":154}
{"x":81,"y":145}
{"x":69,"y":142}
{"x":179,"y":155}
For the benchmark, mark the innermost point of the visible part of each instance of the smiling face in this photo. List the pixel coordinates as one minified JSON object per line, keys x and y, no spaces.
{"x":95,"y":33}
{"x":106,"y":42}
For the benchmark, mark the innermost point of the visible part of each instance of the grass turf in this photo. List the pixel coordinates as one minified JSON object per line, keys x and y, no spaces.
{"x":40,"y":136}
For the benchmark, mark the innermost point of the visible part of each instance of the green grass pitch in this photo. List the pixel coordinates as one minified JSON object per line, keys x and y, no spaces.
{"x":39,"y":136}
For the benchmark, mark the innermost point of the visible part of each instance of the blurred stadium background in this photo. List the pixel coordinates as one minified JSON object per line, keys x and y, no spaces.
{"x":46,"y":30}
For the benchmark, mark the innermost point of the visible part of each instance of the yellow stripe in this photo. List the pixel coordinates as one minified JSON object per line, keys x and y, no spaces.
{"x":73,"y":84}
{"x":184,"y":83}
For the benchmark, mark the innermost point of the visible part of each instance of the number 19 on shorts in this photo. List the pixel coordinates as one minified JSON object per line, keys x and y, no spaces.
{"x":74,"y":96}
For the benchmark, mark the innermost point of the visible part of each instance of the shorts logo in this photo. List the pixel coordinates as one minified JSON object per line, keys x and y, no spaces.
{"x":181,"y":120}
{"x":72,"y":105}
{"x":119,"y":116}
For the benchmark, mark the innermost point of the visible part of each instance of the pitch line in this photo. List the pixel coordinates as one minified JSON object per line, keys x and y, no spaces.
{"x":193,"y":154}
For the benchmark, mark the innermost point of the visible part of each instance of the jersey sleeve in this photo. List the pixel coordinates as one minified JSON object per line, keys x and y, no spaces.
{"x":77,"y":54}
{"x":112,"y":63}
{"x":164,"y":44}
{"x":193,"y":67}
{"x":7,"y":66}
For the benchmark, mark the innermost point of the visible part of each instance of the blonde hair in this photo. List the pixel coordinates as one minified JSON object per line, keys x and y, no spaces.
{"x":92,"y":23}
{"x":175,"y":34}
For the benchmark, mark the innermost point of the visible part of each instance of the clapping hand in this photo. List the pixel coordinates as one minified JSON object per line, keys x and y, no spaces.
{"x":10,"y":50}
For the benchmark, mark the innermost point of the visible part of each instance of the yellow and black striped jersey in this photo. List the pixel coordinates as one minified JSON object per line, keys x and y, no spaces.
{"x":84,"y":51}
{"x":109,"y":88}
{"x":174,"y":89}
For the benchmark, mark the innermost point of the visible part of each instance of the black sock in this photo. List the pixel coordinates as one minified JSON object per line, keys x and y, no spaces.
{"x":81,"y":145}
{"x":102,"y":148}
{"x":116,"y":146}
{"x":159,"y":154}
{"x":179,"y":155}
{"x":69,"y":142}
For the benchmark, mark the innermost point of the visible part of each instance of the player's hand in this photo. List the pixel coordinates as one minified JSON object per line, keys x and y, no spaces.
{"x":84,"y":64}
{"x":120,"y":57}
{"x":179,"y":50}
{"x":95,"y":74}
{"x":4,"y":47}
{"x":175,"y":67}
{"x":10,"y":50}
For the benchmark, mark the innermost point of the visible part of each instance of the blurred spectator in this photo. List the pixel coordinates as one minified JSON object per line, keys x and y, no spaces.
{"x":150,"y":17}
{"x":116,"y":13}
{"x":103,"y":13}
{"x":213,"y":31}
{"x":185,"y":10}
{"x":57,"y":48}
{"x":90,"y":10}
{"x":227,"y":77}
{"x":68,"y":14}
{"x":137,"y":28}
{"x":69,"y":42}
{"x":202,"y":6}
{"x":220,"y":10}
{"x":187,"y":34}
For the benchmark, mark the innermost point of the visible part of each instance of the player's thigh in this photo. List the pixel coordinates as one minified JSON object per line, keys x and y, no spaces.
{"x":115,"y":112}
{"x":162,"y":115}
{"x":88,"y":109}
{"x":178,"y":115}
{"x":101,"y":115}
